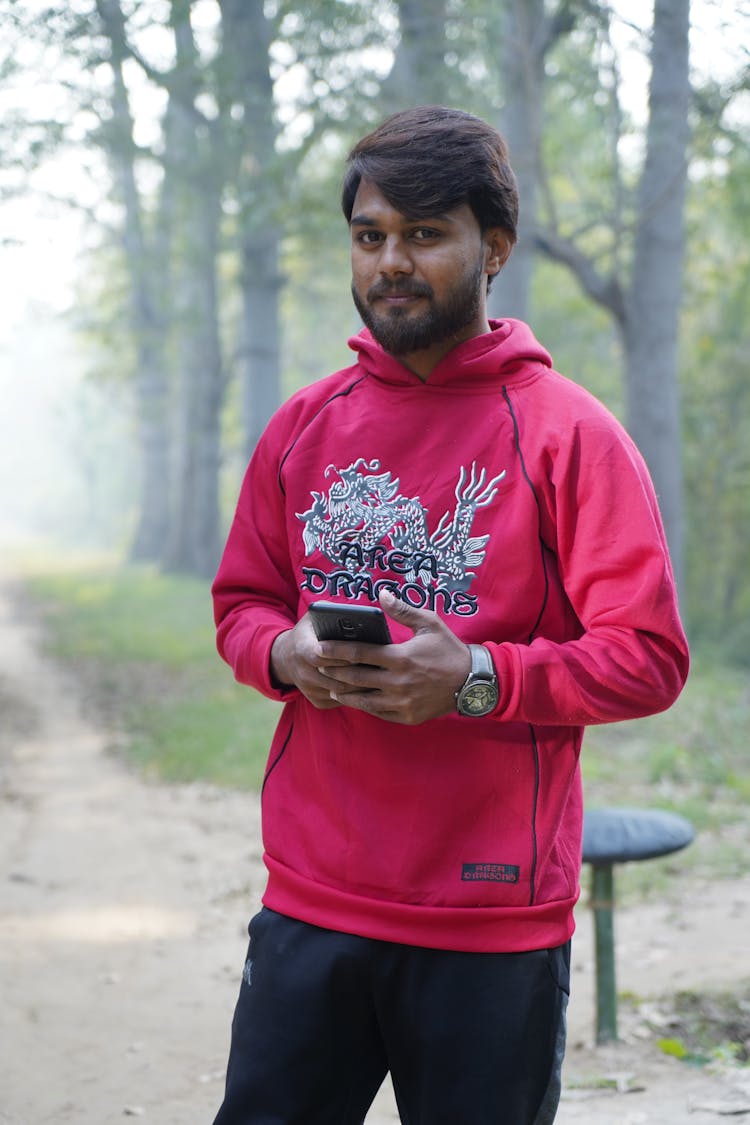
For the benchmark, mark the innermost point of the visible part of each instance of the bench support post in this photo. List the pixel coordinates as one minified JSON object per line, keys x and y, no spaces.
{"x":602,"y":904}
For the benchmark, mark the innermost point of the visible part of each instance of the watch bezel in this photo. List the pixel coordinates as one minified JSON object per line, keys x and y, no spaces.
{"x":483,"y":677}
{"x":487,"y":688}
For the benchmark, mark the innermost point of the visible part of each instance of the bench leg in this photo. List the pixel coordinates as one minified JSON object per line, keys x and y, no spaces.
{"x":602,"y":904}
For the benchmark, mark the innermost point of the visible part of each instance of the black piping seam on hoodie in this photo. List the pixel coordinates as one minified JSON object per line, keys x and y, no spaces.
{"x":530,"y":483}
{"x":534,"y":743}
{"x":319,"y":411}
{"x":276,"y":760}
{"x":534,"y":808}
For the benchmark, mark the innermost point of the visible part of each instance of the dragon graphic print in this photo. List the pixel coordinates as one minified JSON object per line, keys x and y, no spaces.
{"x":376,"y":538}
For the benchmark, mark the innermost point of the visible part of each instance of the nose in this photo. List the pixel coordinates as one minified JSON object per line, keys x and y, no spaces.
{"x":394,"y":257}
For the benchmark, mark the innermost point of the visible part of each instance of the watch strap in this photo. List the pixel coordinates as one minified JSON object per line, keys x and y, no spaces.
{"x":481,"y":662}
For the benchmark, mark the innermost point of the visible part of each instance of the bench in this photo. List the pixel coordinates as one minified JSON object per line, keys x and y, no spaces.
{"x":620,"y":835}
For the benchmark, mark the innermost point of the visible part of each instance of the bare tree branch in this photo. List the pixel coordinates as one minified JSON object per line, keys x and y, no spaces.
{"x":605,"y":289}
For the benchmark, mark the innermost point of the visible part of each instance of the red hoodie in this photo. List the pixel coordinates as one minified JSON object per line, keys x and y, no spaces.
{"x":506,"y":498}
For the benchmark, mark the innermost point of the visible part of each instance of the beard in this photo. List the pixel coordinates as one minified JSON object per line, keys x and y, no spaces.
{"x":401,"y":331}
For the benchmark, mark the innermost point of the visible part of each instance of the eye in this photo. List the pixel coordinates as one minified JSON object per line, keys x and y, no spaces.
{"x":425,"y":234}
{"x":369,"y":237}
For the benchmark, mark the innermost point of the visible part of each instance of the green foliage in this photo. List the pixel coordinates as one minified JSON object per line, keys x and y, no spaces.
{"x":583,"y":122}
{"x":142,"y":648}
{"x":710,"y":1026}
{"x":691,"y":760}
{"x":673,"y":1047}
{"x":579,"y":334}
{"x":717,"y":400}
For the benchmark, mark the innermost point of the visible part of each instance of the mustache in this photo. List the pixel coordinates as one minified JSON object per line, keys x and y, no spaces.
{"x":387,"y":288}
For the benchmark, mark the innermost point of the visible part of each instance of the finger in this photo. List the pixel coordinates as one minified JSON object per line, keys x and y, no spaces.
{"x":347,"y":654}
{"x":356,"y":676}
{"x":418,"y":620}
{"x":317,"y":689}
{"x":375,"y":704}
{"x":316,"y":685}
{"x":323,"y":702}
{"x":363,"y":700}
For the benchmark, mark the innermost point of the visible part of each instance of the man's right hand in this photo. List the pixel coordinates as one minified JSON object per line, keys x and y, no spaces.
{"x":294,"y":661}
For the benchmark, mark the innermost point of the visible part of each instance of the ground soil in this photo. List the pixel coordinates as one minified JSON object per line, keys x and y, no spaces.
{"x":122,"y":936}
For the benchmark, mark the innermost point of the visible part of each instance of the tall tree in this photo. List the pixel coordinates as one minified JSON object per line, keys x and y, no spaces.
{"x":198,"y":150}
{"x":716,"y":352}
{"x":146,"y":262}
{"x":644,"y":299}
{"x":174,"y":301}
{"x":247,"y":98}
{"x":651,"y":325}
{"x":418,"y":74}
{"x":528,"y":32}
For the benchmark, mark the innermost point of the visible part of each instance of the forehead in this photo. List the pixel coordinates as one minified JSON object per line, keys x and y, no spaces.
{"x":371,"y":206}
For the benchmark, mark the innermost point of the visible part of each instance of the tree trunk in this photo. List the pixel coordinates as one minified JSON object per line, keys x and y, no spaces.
{"x":527,"y":34}
{"x":152,"y":528}
{"x":522,"y":53}
{"x":197,"y":156}
{"x":646,"y":306}
{"x":194,"y":547}
{"x":246,"y":39}
{"x":146,"y":270}
{"x":654,"y":294}
{"x":418,"y":74}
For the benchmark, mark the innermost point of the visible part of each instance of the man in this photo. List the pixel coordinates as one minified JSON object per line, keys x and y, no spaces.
{"x":422,"y":802}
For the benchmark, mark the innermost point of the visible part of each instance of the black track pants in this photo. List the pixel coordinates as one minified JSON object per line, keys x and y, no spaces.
{"x":469,"y":1038}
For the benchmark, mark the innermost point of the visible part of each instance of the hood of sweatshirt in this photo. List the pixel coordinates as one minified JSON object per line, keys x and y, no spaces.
{"x":508,"y":352}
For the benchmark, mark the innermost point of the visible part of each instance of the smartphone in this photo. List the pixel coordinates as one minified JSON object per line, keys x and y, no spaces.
{"x":333,"y":621}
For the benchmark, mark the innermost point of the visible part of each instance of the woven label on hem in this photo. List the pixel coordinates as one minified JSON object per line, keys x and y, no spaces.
{"x":490,"y":873}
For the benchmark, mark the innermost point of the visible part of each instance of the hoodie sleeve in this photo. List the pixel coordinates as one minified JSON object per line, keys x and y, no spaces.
{"x":599,"y":517}
{"x":254,"y":593}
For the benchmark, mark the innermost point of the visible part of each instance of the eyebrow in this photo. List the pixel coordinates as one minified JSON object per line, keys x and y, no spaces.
{"x":368,"y":221}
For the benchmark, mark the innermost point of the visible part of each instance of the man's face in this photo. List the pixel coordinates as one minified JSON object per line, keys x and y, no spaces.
{"x":418,"y":284}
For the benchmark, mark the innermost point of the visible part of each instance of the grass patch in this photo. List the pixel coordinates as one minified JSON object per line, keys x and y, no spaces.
{"x":714,"y":1025}
{"x":691,"y":760}
{"x":141,"y":647}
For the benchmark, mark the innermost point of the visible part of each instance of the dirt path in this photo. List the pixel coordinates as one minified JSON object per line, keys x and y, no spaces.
{"x":122,"y":935}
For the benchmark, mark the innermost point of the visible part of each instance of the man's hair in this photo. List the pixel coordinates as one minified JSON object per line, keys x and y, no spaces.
{"x":431,"y":159}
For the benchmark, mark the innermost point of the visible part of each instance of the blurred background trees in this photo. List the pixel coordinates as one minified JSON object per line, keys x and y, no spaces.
{"x":216,"y":277}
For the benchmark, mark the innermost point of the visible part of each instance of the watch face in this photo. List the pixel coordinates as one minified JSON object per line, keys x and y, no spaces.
{"x":478,"y":699}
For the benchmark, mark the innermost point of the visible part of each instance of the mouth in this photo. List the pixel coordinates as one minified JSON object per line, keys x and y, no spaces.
{"x":397,"y":298}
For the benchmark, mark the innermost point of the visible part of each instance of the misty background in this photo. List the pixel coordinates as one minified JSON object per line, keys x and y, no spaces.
{"x":175,"y":264}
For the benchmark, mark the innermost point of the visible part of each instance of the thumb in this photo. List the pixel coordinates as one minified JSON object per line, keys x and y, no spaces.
{"x":418,"y":620}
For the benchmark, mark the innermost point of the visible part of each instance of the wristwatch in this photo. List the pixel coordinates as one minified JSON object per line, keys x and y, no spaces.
{"x":478,"y":695}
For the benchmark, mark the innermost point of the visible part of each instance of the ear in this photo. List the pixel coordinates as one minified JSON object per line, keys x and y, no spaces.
{"x":498,"y":245}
